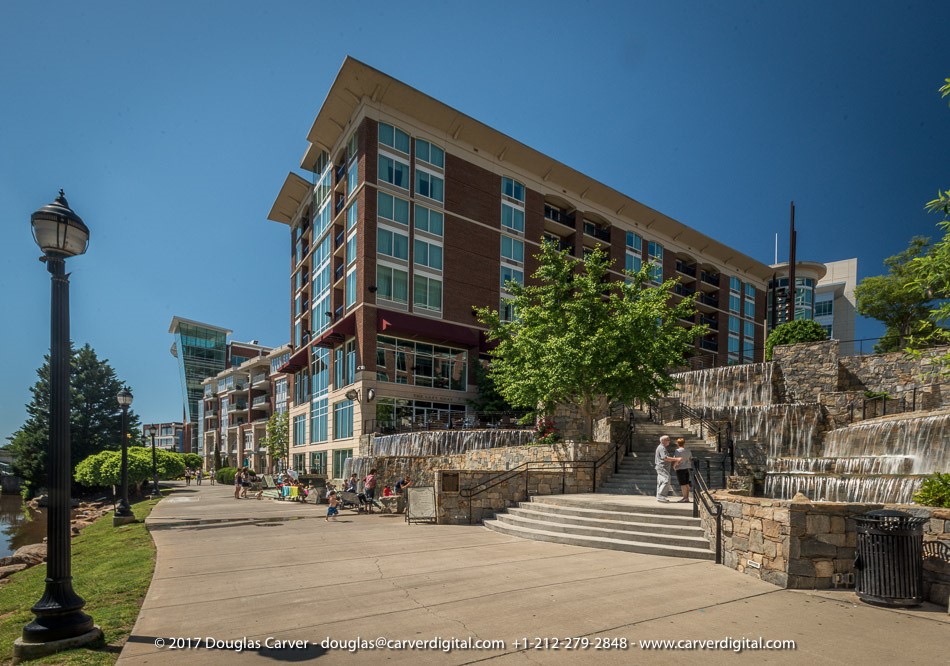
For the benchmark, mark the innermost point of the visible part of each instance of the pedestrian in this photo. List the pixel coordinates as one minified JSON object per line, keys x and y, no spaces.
{"x":238,"y":477}
{"x":245,"y":481}
{"x":332,"y":510}
{"x":662,"y":462}
{"x":369,"y":488}
{"x":404,"y":482}
{"x":198,"y":476}
{"x":211,"y":476}
{"x":683,"y":463}
{"x":187,"y":476}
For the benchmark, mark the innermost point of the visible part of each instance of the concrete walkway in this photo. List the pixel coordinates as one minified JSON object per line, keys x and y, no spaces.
{"x":260,"y":571}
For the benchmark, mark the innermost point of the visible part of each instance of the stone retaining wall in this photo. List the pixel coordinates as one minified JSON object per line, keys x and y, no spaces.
{"x":798,"y":544}
{"x":810,"y":369}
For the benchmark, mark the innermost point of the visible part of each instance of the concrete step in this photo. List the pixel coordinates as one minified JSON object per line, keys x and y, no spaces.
{"x":647,"y":547}
{"x":678,"y":528}
{"x":591,"y":506}
{"x":695,"y":540}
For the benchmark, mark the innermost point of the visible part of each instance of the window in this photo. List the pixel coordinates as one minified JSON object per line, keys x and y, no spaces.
{"x":509,"y":273}
{"x":734,"y":284}
{"x":392,"y":284}
{"x":351,"y":288}
{"x":512,"y":218}
{"x":749,"y":290}
{"x":634,"y":242}
{"x":828,"y":331}
{"x":352,"y":215}
{"x":748,"y":330}
{"x":392,"y":208}
{"x":394,"y":138}
{"x":427,"y":254}
{"x":351,"y":249}
{"x":733,"y":344}
{"x":352,"y":177}
{"x":339,"y":458}
{"x":427,"y":293}
{"x":300,"y":430}
{"x":506,"y":309}
{"x":824,"y":308}
{"x":338,"y":367}
{"x":634,"y":262}
{"x":318,"y":462}
{"x":394,"y":172}
{"x":318,"y":420}
{"x":655,"y":251}
{"x":298,"y":461}
{"x":733,"y":303}
{"x":512,"y":249}
{"x":430,"y":153}
{"x":343,"y":420}
{"x":428,"y":220}
{"x":734,"y":325}
{"x":430,"y":185}
{"x":749,"y":309}
{"x":392,"y":243}
{"x":513,"y":189}
{"x":350,"y":373}
{"x":407,"y":362}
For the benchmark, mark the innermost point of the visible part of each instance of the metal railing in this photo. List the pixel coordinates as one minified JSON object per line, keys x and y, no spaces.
{"x":898,"y":401}
{"x":701,"y":495}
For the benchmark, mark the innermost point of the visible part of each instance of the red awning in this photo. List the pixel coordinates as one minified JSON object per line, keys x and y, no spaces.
{"x":296,"y":361}
{"x":432,"y":329}
{"x":337,"y":333}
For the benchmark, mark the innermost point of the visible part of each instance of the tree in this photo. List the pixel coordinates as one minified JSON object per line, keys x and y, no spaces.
{"x":488,"y":398}
{"x":580,"y":340}
{"x":897,"y":299}
{"x":794,"y":332}
{"x":105,"y":468}
{"x":191,"y":460}
{"x":95,"y":417}
{"x":277,"y":438}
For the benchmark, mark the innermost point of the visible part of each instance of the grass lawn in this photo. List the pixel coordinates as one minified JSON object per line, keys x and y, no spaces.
{"x":112,"y":569}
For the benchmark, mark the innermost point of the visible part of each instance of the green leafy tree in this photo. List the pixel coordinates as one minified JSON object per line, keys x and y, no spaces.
{"x":191,"y":460}
{"x":897,"y":299}
{"x":277,"y":438}
{"x":105,"y":468}
{"x":95,"y":417}
{"x":794,"y":332}
{"x":488,"y":398}
{"x":582,"y":340}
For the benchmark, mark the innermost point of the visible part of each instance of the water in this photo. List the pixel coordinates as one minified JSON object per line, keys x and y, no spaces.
{"x":925,"y":438}
{"x":782,"y":430}
{"x":19,"y":524}
{"x":729,"y":386}
{"x":870,"y":489}
{"x":447,"y":442}
{"x":856,"y":465}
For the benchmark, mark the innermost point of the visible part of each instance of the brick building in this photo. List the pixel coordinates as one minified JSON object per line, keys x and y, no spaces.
{"x":414,"y":213}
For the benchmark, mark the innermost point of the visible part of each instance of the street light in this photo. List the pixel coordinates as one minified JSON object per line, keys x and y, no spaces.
{"x":59,"y":622}
{"x":151,"y":433}
{"x":123,"y":512}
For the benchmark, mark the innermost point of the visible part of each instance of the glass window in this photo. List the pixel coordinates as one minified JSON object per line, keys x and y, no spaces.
{"x":512,"y":188}
{"x":319,"y":420}
{"x":407,"y":362}
{"x":393,"y":208}
{"x":733,"y":344}
{"x":393,"y":137}
{"x":748,"y":329}
{"x":734,"y":284}
{"x":828,"y":331}
{"x":634,"y":241}
{"x":427,"y":254}
{"x":749,"y":290}
{"x":392,"y":243}
{"x":430,"y":185}
{"x":392,"y":284}
{"x":300,"y":430}
{"x":824,"y":308}
{"x":339,"y":458}
{"x":351,"y":249}
{"x":428,"y":220}
{"x":509,"y":273}
{"x":352,"y":178}
{"x":350,"y":362}
{"x":395,"y":172}
{"x":338,"y":367}
{"x":427,"y":293}
{"x":430,"y":153}
{"x":634,"y":262}
{"x":734,"y":325}
{"x":352,"y":215}
{"x":351,"y":288}
{"x":343,"y":419}
{"x":733,"y":303}
{"x":512,"y":249}
{"x":655,"y":251}
{"x":512,"y":218}
{"x":750,"y":309}
{"x":318,"y":462}
{"x":506,"y":309}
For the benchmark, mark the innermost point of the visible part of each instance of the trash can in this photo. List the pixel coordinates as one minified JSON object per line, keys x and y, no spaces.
{"x":889,"y":560}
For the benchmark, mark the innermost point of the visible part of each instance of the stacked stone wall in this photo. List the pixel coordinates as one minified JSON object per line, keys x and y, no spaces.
{"x":802,"y":545}
{"x":810,"y":369}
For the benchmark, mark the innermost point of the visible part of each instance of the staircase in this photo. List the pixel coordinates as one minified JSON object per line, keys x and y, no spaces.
{"x":637,"y":475}
{"x":633,"y":524}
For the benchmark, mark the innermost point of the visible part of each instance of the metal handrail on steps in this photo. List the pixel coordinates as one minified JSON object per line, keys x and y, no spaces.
{"x":713,"y":507}
{"x":723,"y":434}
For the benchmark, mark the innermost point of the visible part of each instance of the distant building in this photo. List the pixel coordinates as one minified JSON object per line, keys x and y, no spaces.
{"x":168,"y":436}
{"x":824,"y":292}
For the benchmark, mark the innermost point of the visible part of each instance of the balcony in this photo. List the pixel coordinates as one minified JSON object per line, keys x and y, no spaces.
{"x":710,"y":301}
{"x":559,"y":216}
{"x":338,"y":313}
{"x":685,"y":269}
{"x":237,"y":407}
{"x":598,"y":232}
{"x":709,"y":345}
{"x":209,"y":391}
{"x":261,"y":401}
{"x":340,"y":172}
{"x":258,"y":379}
{"x":338,"y":272}
{"x":710,"y":322}
{"x":709,"y":278}
{"x":237,"y":387}
{"x":340,"y":200}
{"x":338,"y":240}
{"x":682,"y":290}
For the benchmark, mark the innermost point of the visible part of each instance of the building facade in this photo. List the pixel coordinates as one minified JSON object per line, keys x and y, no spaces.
{"x":168,"y":436}
{"x":414,"y":214}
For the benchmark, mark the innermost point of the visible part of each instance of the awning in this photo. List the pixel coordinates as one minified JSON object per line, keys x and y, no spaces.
{"x":336,"y":334}
{"x":431,"y":329}
{"x":296,"y":361}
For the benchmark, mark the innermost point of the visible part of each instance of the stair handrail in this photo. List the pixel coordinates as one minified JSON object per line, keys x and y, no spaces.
{"x":706,"y":426}
{"x":713,"y":507}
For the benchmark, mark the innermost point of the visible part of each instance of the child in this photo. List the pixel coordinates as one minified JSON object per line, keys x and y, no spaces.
{"x":332,"y":510}
{"x":387,"y":491}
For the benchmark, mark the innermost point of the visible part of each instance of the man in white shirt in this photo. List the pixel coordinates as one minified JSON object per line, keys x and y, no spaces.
{"x":662,"y":462}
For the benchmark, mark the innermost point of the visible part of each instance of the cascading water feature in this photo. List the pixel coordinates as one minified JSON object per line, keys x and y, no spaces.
{"x":728,"y":386}
{"x":790,"y":429}
{"x":446,"y":442}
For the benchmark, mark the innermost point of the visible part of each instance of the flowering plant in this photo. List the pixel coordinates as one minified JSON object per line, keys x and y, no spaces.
{"x":545,"y":432}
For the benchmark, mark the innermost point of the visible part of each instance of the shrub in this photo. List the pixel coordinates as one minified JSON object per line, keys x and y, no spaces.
{"x":934,"y":491}
{"x":225,"y":475}
{"x":192,"y":460}
{"x":800,"y":330}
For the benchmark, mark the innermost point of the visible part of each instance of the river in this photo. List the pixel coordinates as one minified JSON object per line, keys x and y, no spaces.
{"x":19,"y":524}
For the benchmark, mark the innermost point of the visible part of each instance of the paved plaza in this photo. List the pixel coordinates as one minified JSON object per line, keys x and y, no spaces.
{"x":249,"y":573}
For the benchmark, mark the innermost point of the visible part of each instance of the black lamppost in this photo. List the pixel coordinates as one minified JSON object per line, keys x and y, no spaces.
{"x":151,"y":433}
{"x":59,"y":622}
{"x":123,"y":512}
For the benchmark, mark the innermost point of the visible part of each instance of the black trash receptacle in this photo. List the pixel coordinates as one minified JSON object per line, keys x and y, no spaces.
{"x":889,"y":560}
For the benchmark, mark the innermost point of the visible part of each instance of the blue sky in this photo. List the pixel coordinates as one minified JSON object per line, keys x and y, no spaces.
{"x":172,"y":125}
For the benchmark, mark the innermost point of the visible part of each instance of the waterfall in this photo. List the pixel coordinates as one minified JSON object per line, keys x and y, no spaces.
{"x":447,"y":442}
{"x":783,"y":429}
{"x":925,"y":438}
{"x":856,"y":465}
{"x":870,"y":489}
{"x":728,"y":386}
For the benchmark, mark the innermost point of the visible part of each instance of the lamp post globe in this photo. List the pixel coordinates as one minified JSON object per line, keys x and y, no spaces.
{"x":152,"y":430}
{"x":59,"y":623}
{"x":123,"y":512}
